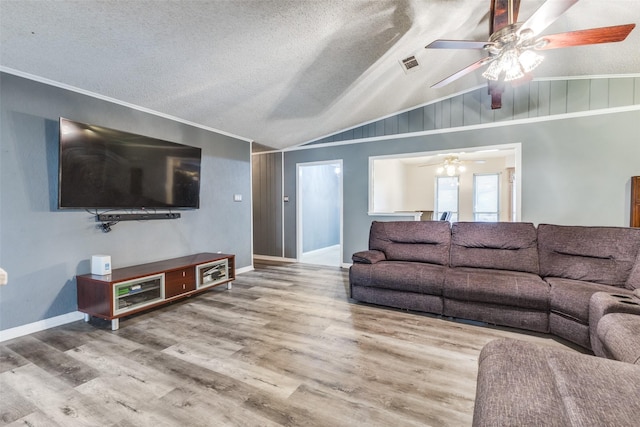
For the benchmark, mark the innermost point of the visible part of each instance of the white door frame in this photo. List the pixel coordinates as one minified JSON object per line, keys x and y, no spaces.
{"x":299,"y":213}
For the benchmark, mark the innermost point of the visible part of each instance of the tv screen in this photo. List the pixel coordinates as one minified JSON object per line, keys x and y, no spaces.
{"x":102,"y":168}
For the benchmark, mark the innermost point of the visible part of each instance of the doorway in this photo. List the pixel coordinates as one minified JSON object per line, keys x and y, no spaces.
{"x":319,"y":212}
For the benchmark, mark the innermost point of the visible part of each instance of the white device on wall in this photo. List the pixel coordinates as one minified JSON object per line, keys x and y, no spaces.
{"x":101,"y":265}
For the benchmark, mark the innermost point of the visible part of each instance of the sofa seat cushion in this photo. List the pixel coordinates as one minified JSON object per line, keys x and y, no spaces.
{"x":620,"y":336}
{"x":417,"y":241}
{"x":570,"y":298}
{"x":594,"y":254}
{"x":524,"y":384}
{"x":400,"y":276}
{"x":510,"y":288}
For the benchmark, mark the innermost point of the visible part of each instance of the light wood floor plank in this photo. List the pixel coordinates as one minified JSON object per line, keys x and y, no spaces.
{"x":284,"y":347}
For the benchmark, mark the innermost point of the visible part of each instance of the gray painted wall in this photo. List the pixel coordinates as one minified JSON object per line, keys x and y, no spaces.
{"x":565,"y":159}
{"x":575,"y":170}
{"x":43,"y":248}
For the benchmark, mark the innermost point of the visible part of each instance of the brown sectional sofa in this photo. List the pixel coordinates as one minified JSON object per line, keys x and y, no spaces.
{"x":511,"y":274}
{"x":524,"y":384}
{"x":580,"y":283}
{"x":579,"y":261}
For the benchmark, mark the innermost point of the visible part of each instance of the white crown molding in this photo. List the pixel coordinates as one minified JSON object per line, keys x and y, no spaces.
{"x":505,"y":123}
{"x":116,"y":101}
{"x":453,"y":95}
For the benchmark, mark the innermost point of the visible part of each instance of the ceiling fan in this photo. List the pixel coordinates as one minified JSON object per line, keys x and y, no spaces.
{"x":451,"y":164}
{"x":512,"y":45}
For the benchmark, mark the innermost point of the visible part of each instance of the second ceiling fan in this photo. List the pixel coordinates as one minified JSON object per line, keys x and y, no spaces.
{"x":511,"y":46}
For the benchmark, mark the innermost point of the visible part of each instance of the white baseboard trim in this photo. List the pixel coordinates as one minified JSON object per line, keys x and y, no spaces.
{"x":245,"y":269}
{"x":347,"y":265}
{"x":321,"y":251}
{"x":40,"y":325}
{"x":274,"y":258}
{"x":52,"y":322}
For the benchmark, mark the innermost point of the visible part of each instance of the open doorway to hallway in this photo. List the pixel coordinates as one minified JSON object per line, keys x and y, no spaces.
{"x":319,"y":219}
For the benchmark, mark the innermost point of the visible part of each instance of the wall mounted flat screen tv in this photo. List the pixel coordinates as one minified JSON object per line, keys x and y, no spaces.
{"x":102,"y":168}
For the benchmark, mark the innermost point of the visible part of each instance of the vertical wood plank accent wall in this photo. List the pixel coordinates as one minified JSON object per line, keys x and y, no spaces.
{"x":536,"y":99}
{"x":635,"y":201}
{"x":267,"y":204}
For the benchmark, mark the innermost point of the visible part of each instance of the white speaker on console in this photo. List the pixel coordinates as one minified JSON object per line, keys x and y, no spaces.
{"x":101,"y":265}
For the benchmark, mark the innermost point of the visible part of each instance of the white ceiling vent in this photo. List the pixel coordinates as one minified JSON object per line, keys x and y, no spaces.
{"x":409,"y":64}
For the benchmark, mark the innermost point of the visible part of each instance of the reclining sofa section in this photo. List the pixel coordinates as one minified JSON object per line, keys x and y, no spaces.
{"x":404,"y":267}
{"x":509,"y":274}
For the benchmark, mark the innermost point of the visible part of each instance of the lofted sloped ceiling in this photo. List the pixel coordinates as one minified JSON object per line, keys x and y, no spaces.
{"x":280,"y":72}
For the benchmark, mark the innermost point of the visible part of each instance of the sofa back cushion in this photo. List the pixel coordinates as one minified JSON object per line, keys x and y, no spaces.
{"x":604,"y":255}
{"x":419,"y":241}
{"x":496,"y":245}
{"x":633,"y":281}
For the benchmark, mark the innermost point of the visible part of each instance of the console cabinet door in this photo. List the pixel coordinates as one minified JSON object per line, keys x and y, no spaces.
{"x":179,"y":281}
{"x":635,"y":201}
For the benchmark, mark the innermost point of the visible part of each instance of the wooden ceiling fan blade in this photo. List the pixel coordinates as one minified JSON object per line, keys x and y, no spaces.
{"x":463,"y":72}
{"x":500,"y":14}
{"x":546,"y":15}
{"x":456,"y":44}
{"x":616,"y":33}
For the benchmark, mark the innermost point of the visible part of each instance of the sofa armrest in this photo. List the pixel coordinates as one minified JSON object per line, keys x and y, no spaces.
{"x":619,"y":334}
{"x":368,"y":257}
{"x":603,"y":303}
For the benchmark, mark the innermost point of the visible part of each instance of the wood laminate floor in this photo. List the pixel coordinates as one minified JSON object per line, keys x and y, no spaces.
{"x":284,"y":347}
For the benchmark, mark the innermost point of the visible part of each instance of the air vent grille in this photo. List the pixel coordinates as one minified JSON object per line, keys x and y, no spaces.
{"x":410,"y":63}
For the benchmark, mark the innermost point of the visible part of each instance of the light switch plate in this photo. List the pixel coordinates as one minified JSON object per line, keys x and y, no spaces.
{"x":237,"y":197}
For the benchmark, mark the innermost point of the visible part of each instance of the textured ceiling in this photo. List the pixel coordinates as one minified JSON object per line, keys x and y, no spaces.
{"x":280,"y":72}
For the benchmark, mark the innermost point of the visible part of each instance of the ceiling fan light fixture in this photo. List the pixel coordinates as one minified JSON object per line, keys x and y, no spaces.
{"x":451,"y":166}
{"x":529,"y":60}
{"x":511,"y":65}
{"x":493,"y":72}
{"x":513,"y":73}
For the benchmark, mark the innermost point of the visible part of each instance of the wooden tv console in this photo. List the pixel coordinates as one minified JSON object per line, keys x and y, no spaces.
{"x":132,"y":289}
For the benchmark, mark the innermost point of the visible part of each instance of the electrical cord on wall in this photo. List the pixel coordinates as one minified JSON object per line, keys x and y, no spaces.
{"x":106,"y":226}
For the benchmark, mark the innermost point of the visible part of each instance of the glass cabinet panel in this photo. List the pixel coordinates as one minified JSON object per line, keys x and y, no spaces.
{"x":137,"y":293}
{"x":212,"y":273}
